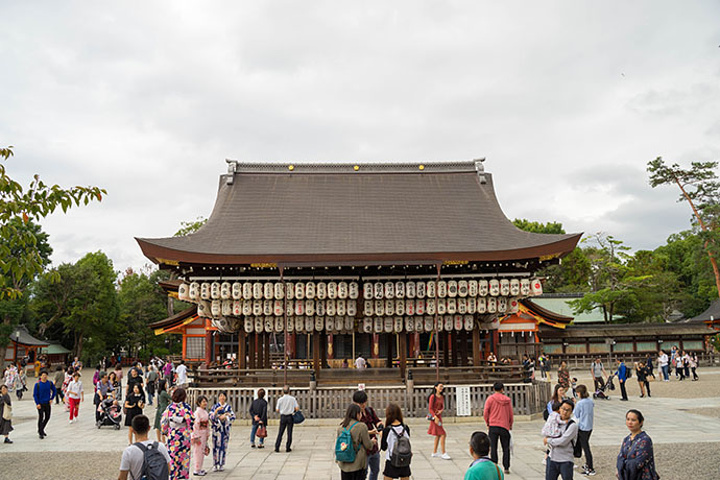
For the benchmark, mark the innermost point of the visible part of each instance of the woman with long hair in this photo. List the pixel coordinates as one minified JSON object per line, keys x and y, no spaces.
{"x":162,"y":404}
{"x":361,"y":442}
{"x":177,"y":423}
{"x":134,"y":404}
{"x":436,"y":406}
{"x":222,"y":417}
{"x":394,"y":429}
{"x":636,"y":459}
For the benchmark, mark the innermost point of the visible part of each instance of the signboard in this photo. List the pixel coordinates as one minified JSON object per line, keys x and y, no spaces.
{"x":361,"y":386}
{"x":462,"y":405}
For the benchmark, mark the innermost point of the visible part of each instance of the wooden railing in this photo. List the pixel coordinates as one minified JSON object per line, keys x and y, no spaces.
{"x":331,"y":402}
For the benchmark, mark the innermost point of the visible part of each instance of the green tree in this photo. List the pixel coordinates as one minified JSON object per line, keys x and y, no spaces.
{"x":537,"y":227}
{"x":186,"y":228}
{"x":21,"y":255}
{"x":699,"y":187}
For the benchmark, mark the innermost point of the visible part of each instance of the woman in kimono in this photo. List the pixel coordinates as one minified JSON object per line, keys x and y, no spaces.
{"x":5,"y":425}
{"x":222,"y":417}
{"x":200,"y":435}
{"x":636,"y":460}
{"x":177,"y":423}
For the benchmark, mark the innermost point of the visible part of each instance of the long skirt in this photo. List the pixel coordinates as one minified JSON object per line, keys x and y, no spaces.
{"x":178,"y":446}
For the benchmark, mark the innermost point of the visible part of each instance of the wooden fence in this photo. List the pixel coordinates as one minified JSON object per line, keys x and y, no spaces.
{"x":331,"y":402}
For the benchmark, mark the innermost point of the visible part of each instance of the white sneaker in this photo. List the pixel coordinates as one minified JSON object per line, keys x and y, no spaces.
{"x":445,"y":456}
{"x":435,"y":454}
{"x":70,"y":422}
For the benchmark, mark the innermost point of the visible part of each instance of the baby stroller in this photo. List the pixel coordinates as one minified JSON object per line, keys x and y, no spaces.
{"x":602,"y":393}
{"x":109,"y":413}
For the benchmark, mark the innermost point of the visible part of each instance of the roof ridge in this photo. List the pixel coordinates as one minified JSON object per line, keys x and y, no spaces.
{"x":235,"y":166}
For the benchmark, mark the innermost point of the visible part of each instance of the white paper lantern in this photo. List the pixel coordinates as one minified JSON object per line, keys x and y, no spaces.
{"x":410,"y":289}
{"x":279,"y":324}
{"x":215,"y":290}
{"x":420,"y":290}
{"x":462,"y":306}
{"x":420,"y":306}
{"x":237,"y":307}
{"x":216,"y":308}
{"x":289,"y":291}
{"x":236,"y":291}
{"x":514,"y":287}
{"x":342,"y":290}
{"x":227,"y":308}
{"x":458,"y":324}
{"x":472,"y":305}
{"x":504,"y":287}
{"x":349,"y":324}
{"x":330,"y":307}
{"x":431,"y":289}
{"x":420,"y":324}
{"x":310,"y":323}
{"x":269,"y":291}
{"x":367,"y":325}
{"x":452,"y":288}
{"x":494,"y":287}
{"x":340,"y":306}
{"x":389,"y":307}
{"x":389,"y":290}
{"x":248,"y":325}
{"x":368,"y":291}
{"x":462,"y":288}
{"x":452,"y":306}
{"x":352,"y":308}
{"x":321,"y":322}
{"x":481,"y":305}
{"x":472,"y":288}
{"x":483,"y":288}
{"x":429,"y":323}
{"x":257,"y":290}
{"x":247,"y":291}
{"x":353,"y":291}
{"x":205,"y":291}
{"x":268,"y":307}
{"x":468,"y":322}
{"x":299,"y":324}
{"x":278,"y":307}
{"x":310,"y":290}
{"x":379,"y":308}
{"x":320,"y":308}
{"x":278,"y":291}
{"x":369,"y":308}
{"x":388,"y":324}
{"x":299,"y":307}
{"x":204,"y":309}
{"x":299,"y":291}
{"x":441,"y":306}
{"x":184,"y":292}
{"x":257,"y":307}
{"x":442,"y":289}
{"x":430,"y":306}
{"x":524,"y":287}
{"x":400,"y":307}
{"x":339,"y":323}
{"x":378,"y":324}
{"x":310,"y":307}
{"x":379,"y":290}
{"x":321,"y":290}
{"x":290,"y":306}
{"x":194,"y":291}
{"x":409,"y":307}
{"x":259,"y":324}
{"x":332,"y":290}
{"x":449,"y":322}
{"x":247,"y":308}
{"x":409,"y":324}
{"x":399,"y":290}
{"x":502,"y":304}
{"x":290,"y":325}
{"x":513,"y":305}
{"x":329,"y":324}
{"x":536,"y":287}
{"x":269,"y":324}
{"x":492,"y":304}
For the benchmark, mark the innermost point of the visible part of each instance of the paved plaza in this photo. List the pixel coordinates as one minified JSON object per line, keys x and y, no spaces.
{"x":685,"y":431}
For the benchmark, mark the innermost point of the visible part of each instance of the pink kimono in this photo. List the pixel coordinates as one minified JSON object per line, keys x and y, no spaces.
{"x":199,"y":438}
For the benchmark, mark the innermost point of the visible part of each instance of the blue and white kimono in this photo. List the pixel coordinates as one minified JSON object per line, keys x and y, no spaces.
{"x":221,"y":431}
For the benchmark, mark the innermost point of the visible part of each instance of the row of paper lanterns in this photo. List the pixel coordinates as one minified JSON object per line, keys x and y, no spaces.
{"x":388,"y":290}
{"x":345,"y":324}
{"x":371,"y":308}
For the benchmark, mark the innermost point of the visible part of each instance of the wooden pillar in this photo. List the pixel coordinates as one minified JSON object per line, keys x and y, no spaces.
{"x":446,"y":350}
{"x":463,"y":336}
{"x":389,"y":350}
{"x":402,"y":353}
{"x":209,"y":353}
{"x":266,"y":350}
{"x":242,"y":364}
{"x":375,"y":350}
{"x":476,"y":353}
{"x":323,"y":353}
{"x":316,"y":350}
{"x":330,"y":349}
{"x":416,"y":345}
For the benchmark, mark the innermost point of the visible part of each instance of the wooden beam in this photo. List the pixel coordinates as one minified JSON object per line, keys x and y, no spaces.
{"x":402,"y":353}
{"x":252,"y":342}
{"x":316,"y":350}
{"x":266,"y":350}
{"x":242,"y":363}
{"x":476,"y":353}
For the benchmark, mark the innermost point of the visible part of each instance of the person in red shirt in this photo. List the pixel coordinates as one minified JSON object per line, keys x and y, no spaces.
{"x":498,"y":415}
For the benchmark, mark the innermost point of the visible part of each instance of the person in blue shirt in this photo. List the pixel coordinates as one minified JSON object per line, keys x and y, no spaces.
{"x":622,"y":377}
{"x":44,"y":393}
{"x":585,"y":414}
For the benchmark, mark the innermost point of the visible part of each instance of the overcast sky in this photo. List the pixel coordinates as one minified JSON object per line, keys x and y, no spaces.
{"x":568,"y":101}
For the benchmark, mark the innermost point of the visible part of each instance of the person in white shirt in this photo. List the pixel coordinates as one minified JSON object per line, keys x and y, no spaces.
{"x":75,"y":395}
{"x":181,"y":372}
{"x":663,"y":363}
{"x":133,"y":457}
{"x":286,"y":406}
{"x":360,"y":363}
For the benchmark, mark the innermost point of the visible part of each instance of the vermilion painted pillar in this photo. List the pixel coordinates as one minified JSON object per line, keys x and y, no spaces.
{"x":208,"y":344}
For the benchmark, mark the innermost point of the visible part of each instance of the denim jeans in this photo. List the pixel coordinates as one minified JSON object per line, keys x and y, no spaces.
{"x":373,"y":464}
{"x":553,"y":469}
{"x":253,"y":430}
{"x":665,"y":372}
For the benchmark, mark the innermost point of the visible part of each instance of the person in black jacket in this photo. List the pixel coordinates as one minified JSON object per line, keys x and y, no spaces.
{"x":258,"y":412}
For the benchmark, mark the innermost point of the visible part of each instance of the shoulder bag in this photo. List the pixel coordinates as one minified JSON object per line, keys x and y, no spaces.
{"x":7,"y":412}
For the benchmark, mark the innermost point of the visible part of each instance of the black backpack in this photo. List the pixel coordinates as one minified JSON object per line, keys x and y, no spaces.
{"x":155,"y":466}
{"x":402,"y":451}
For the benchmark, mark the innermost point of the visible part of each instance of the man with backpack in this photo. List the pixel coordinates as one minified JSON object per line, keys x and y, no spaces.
{"x":375,"y":426}
{"x":145,"y":459}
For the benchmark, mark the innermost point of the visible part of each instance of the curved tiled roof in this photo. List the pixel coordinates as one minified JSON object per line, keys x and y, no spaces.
{"x":364,"y":213}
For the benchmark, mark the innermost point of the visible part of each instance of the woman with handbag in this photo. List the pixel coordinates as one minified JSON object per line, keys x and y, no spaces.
{"x":5,"y":413}
{"x":436,"y":406}
{"x":636,"y":460}
{"x":200,"y":435}
{"x":222,"y":417}
{"x":258,"y":413}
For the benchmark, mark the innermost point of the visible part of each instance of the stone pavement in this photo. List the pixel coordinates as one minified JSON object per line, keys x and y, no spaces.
{"x":667,"y":421}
